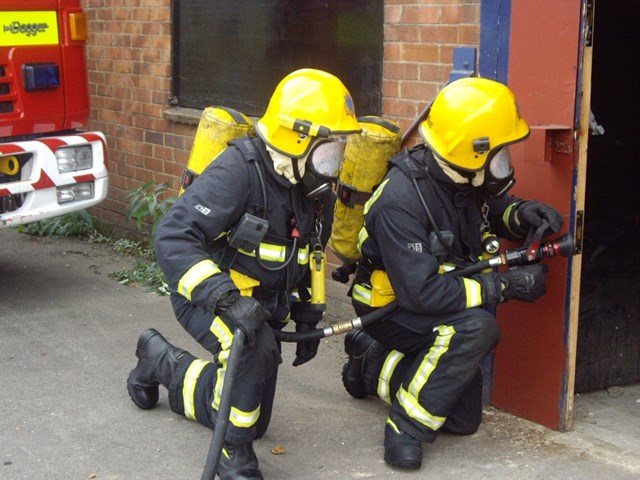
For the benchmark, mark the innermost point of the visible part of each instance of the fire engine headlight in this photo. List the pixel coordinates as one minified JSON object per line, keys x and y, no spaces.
{"x":75,"y":192}
{"x":72,"y":159}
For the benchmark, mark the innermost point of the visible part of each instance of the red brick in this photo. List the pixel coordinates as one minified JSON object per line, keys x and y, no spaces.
{"x":129,"y":62}
{"x":420,"y":53}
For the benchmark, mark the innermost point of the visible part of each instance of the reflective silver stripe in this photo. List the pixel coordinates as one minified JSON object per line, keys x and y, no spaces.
{"x":408,"y":399}
{"x":273,"y":253}
{"x":243,"y":419}
{"x":384,"y":381}
{"x":278,"y":253}
{"x":238,"y":417}
{"x":446,"y":267}
{"x":361,"y":294}
{"x":195,"y":276}
{"x":473,"y":290}
{"x":303,"y":255}
{"x":417,"y":412}
{"x":189,"y":387}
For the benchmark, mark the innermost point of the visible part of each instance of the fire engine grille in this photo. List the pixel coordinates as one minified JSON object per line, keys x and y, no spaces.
{"x":6,"y":105}
{"x":14,"y":168}
{"x":11,"y":203}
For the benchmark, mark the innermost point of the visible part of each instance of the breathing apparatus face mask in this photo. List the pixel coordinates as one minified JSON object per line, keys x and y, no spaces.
{"x":498,"y":173}
{"x":322,"y":167}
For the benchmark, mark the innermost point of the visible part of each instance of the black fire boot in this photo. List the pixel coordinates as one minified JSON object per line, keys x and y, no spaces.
{"x":158,"y":360}
{"x":239,"y":462}
{"x":358,"y":376}
{"x":401,"y":449}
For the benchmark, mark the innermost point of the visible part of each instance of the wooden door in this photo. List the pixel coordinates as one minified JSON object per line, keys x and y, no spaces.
{"x":534,"y":363}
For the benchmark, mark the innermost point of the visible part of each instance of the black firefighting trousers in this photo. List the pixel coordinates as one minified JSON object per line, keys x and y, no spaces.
{"x":196,"y":387}
{"x":433,"y":380}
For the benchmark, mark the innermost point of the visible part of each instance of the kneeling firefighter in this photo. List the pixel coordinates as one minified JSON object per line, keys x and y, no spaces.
{"x":234,"y":247}
{"x":442,"y":205}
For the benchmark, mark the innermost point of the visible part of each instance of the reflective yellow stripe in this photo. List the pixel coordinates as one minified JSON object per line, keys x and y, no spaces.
{"x":273,"y":253}
{"x":189,"y":387}
{"x":278,"y":253}
{"x":408,"y":398}
{"x":238,"y":417}
{"x":506,"y":215}
{"x":361,"y":293}
{"x":195,"y":276}
{"x":393,"y":425}
{"x":225,"y":337}
{"x":303,"y":255}
{"x":243,"y":419}
{"x":417,"y":412}
{"x":374,"y":197}
{"x":384,"y":381}
{"x":446,"y":267}
{"x":222,"y":333}
{"x":473,"y":291}
{"x":28,"y":28}
{"x":362,"y":237}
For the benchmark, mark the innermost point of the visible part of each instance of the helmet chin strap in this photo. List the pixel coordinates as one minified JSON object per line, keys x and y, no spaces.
{"x":296,"y":170}
{"x":475,"y":178}
{"x":290,"y":168}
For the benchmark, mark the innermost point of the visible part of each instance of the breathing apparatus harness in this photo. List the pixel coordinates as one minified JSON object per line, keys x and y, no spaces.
{"x":252,"y":228}
{"x":441,"y":241}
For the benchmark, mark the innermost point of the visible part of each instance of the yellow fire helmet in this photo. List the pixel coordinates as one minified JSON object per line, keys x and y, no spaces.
{"x":469,"y":119}
{"x":307,"y":105}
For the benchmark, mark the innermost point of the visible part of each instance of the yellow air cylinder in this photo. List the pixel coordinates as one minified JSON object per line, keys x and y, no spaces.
{"x":364,"y":166}
{"x":217,"y":127}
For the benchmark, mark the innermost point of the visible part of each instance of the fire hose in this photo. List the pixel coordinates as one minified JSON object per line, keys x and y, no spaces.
{"x":563,"y":246}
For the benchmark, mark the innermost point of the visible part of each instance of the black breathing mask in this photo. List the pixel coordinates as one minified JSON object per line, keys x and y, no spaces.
{"x":322,"y":168}
{"x":498,"y":173}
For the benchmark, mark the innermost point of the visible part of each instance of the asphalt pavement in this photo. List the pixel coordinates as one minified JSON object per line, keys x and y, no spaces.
{"x":67,"y":340}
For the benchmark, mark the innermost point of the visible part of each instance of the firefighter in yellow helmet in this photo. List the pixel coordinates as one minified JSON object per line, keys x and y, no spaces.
{"x":234,"y":247}
{"x":442,"y":205}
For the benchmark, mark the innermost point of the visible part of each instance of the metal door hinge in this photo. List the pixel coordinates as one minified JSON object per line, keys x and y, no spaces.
{"x":588,"y":23}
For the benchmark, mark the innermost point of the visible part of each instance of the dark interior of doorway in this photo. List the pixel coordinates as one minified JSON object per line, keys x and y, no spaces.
{"x":609,"y":325}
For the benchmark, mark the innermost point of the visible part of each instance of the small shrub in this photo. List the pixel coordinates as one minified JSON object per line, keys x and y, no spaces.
{"x":148,"y":274}
{"x":73,"y":224}
{"x":147,"y":205}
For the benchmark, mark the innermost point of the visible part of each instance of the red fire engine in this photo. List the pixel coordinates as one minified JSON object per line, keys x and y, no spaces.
{"x":49,"y":165}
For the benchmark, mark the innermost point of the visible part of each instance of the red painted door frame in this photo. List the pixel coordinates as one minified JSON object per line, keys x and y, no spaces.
{"x":532,"y":363}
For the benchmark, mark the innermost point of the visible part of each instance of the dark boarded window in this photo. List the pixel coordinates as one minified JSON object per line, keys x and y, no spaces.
{"x":233,"y":53}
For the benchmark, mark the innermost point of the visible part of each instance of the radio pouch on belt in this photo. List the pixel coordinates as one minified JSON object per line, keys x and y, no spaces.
{"x":246,"y":236}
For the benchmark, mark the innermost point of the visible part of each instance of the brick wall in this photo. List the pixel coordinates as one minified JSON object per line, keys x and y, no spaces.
{"x":129,"y":59}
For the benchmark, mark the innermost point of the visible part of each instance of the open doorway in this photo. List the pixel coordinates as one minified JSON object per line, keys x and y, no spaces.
{"x":608,"y":351}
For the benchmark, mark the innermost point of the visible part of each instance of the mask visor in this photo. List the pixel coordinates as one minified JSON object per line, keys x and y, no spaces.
{"x":499,"y":173}
{"x":326,"y":158}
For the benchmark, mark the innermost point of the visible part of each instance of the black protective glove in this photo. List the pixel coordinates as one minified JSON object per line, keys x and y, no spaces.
{"x":491,"y":287}
{"x":532,"y":214}
{"x":306,"y":316}
{"x":526,"y":283}
{"x":242,"y":312}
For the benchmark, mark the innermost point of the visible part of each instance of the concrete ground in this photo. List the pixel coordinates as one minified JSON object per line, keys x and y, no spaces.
{"x":67,"y":341}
